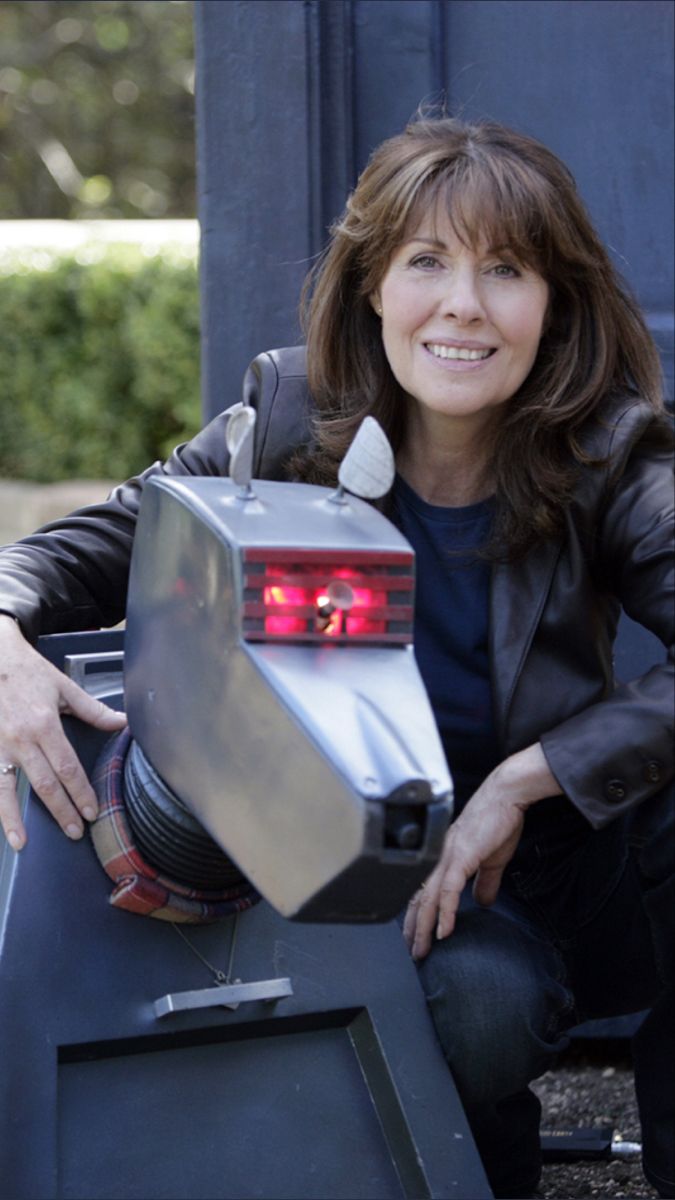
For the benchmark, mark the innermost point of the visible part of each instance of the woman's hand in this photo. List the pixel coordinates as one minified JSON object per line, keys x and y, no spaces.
{"x":480,"y":843}
{"x":33,"y":697}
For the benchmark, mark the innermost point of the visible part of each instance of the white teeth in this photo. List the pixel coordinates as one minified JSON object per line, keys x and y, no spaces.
{"x":457,"y":352}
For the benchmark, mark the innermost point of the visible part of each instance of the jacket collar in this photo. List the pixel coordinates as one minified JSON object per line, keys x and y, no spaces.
{"x":518,"y":594}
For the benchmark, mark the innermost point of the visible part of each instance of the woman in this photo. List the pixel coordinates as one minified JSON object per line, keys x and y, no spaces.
{"x":466,"y":302}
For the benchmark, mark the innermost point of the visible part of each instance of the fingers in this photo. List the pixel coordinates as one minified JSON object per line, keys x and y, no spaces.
{"x":9,"y":809}
{"x":410,"y":919}
{"x":94,"y":712}
{"x":447,"y":908}
{"x":487,"y":884}
{"x":425,"y":910}
{"x":54,"y":772}
{"x":432,"y":911}
{"x":33,"y":698}
{"x":58,"y":778}
{"x":478,"y":845}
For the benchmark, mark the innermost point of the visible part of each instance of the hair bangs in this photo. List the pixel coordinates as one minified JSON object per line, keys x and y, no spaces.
{"x":505,"y":192}
{"x":486,"y":206}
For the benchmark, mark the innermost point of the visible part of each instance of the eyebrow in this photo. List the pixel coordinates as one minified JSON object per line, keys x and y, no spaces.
{"x":427,"y":242}
{"x":438,"y":245}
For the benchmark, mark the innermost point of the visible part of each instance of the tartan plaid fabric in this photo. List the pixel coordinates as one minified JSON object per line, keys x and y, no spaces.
{"x":139,"y":888}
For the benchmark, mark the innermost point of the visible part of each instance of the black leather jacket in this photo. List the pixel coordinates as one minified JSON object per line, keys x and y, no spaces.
{"x":553,"y":614}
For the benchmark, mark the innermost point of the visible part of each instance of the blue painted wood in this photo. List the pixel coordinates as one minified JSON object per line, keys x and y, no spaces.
{"x":254,"y":183}
{"x":592,"y":79}
{"x":293,"y":95}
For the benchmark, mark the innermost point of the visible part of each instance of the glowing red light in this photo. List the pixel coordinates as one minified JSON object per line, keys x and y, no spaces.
{"x":296,"y":610}
{"x":283,"y":598}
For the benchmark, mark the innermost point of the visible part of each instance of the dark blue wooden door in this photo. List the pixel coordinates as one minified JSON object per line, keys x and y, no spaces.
{"x":294,"y":94}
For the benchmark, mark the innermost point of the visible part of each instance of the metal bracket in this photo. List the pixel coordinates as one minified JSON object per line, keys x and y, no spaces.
{"x":80,"y":667}
{"x":223,"y":994}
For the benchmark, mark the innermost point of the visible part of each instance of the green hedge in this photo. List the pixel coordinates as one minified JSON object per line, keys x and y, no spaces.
{"x":99,"y":366}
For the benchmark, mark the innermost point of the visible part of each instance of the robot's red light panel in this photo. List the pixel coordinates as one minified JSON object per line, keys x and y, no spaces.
{"x":310,"y":596}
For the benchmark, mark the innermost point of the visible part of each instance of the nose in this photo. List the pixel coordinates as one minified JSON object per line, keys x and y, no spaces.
{"x":461,"y":300}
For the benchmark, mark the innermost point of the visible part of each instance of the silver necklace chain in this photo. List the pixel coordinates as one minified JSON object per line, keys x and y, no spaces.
{"x":220,"y":977}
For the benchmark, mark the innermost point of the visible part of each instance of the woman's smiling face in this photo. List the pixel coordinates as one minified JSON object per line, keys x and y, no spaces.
{"x":460,"y":327}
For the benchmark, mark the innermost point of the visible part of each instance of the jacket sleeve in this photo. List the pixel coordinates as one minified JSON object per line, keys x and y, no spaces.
{"x":618,"y":752}
{"x":72,"y":574}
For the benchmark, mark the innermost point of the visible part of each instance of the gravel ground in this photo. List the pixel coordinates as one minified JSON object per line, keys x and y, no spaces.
{"x":592,"y":1086}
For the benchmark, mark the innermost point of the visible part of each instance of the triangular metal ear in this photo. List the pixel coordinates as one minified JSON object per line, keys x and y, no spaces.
{"x":368,"y":467}
{"x":239,"y":441}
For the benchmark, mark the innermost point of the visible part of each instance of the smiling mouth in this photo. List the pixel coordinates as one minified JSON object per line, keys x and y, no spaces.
{"x":459,"y":352}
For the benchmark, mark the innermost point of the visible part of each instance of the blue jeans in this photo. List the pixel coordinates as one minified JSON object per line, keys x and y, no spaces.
{"x":583,"y":928}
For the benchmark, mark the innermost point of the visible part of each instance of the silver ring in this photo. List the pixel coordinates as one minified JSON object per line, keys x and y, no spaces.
{"x":8,"y":768}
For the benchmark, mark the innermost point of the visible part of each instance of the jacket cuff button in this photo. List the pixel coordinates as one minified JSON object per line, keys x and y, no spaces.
{"x":652,"y":772}
{"x":615,"y":789}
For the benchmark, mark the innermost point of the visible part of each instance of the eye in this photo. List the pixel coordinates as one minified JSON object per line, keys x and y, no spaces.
{"x":427,"y":262}
{"x":505,"y":271}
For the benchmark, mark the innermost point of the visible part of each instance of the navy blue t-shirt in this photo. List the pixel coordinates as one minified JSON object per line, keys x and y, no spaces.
{"x":451,"y":628}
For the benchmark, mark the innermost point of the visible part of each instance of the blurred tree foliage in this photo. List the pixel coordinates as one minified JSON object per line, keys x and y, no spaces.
{"x":101,"y":362}
{"x":96,"y":108}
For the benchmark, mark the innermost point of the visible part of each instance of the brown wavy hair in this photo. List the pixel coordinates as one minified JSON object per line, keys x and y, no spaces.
{"x":506,"y":187}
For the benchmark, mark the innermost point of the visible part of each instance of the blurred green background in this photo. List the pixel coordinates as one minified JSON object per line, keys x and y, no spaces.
{"x":99,"y":366}
{"x":99,"y":353}
{"x":96,"y":108}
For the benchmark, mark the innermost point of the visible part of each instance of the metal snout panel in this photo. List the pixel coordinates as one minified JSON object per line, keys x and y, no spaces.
{"x":366,"y":708}
{"x":249,"y":766}
{"x":366,"y":712}
{"x":317,"y":768}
